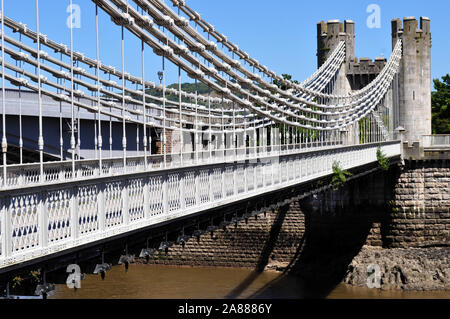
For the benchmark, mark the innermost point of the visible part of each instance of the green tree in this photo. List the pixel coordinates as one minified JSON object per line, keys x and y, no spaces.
{"x":286,"y":77}
{"x":440,"y":104}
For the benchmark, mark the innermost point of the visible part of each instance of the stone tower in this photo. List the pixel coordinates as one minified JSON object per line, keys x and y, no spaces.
{"x":328,"y":37}
{"x":414,"y":80}
{"x":330,"y":34}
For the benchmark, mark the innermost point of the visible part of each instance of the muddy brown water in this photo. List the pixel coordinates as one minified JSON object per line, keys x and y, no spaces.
{"x":168,"y":282}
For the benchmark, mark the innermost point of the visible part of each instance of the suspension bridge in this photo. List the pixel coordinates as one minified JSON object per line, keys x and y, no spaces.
{"x":90,"y":151}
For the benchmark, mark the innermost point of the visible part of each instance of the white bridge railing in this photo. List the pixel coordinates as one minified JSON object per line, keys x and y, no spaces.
{"x":436,"y":141}
{"x":40,"y":220}
{"x":26,"y":175}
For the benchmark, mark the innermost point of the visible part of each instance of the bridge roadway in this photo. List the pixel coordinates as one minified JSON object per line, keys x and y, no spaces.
{"x":41,"y":219}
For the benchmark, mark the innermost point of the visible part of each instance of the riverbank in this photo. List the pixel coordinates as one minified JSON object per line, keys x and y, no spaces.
{"x":411,"y":269}
{"x":401,"y":269}
{"x":406,"y":269}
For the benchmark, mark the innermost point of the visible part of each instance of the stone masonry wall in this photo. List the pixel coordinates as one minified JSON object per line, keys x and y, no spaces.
{"x":420,"y":214}
{"x":160,"y":145}
{"x":269,"y":238}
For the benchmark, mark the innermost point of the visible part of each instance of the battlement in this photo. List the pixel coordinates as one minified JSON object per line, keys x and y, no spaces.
{"x":416,"y":36}
{"x":411,"y":27}
{"x":335,"y":28}
{"x":410,"y":24}
{"x":330,"y":33}
{"x":366,"y":66}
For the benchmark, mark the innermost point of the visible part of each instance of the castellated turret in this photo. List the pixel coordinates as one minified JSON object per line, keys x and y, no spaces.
{"x":330,"y":34}
{"x":414,"y":80}
{"x":328,"y":37}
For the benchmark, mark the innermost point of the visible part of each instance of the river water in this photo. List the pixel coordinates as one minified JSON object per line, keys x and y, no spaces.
{"x":167,"y":282}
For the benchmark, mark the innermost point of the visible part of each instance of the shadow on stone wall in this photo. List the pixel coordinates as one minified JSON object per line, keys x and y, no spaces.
{"x":265,"y":254}
{"x":321,"y":260}
{"x":330,"y":246}
{"x":334,"y":235}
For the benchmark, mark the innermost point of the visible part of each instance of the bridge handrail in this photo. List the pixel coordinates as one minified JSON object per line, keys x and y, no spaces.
{"x":435,"y":140}
{"x":48,"y":42}
{"x":40,"y":221}
{"x":113,"y":11}
{"x":24,"y":176}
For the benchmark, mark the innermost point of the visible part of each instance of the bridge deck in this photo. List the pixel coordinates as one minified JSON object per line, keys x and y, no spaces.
{"x":50,"y":217}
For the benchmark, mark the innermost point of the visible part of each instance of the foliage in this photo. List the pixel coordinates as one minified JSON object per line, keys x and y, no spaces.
{"x":36,"y":275}
{"x":393,"y":206}
{"x":16,"y":281}
{"x":339,"y":176}
{"x":200,"y":88}
{"x":364,"y":130}
{"x":286,"y":77}
{"x":383,"y":161}
{"x":440,"y":104}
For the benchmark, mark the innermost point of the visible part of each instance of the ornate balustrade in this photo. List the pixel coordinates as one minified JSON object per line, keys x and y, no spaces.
{"x":39,"y":218}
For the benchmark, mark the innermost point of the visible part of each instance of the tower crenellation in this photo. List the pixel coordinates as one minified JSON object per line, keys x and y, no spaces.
{"x":329,"y":35}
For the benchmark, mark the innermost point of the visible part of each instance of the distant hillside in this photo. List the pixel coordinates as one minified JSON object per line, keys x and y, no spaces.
{"x":201,"y":88}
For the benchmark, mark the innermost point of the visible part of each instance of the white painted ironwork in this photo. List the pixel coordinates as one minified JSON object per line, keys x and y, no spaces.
{"x":252,"y":138}
{"x":435,"y":141}
{"x":64,"y":215}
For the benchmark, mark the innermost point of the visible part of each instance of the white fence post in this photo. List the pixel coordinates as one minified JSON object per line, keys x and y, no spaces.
{"x":224,"y":191}
{"x":165,"y":197}
{"x":146,"y":191}
{"x":125,"y":206}
{"x":74,"y":215}
{"x":101,"y":207}
{"x":197,"y":187}
{"x":6,"y":228}
{"x":182,"y":196}
{"x":43,"y":221}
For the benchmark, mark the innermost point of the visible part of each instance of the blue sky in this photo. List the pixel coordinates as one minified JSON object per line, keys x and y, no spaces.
{"x":280,"y":34}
